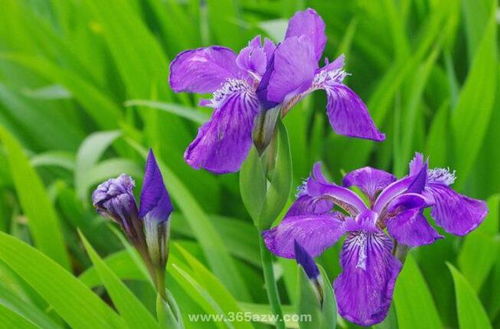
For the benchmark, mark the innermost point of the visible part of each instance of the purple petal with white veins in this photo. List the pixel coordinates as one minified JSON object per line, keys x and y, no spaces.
{"x":348,"y":114}
{"x":225,"y":140}
{"x":293,"y":69}
{"x":203,"y":70}
{"x":456,"y":213}
{"x":253,"y":58}
{"x":370,"y":180}
{"x":155,"y":201}
{"x":309,"y":23}
{"x":412,"y":229}
{"x":314,"y":233}
{"x":364,"y":289}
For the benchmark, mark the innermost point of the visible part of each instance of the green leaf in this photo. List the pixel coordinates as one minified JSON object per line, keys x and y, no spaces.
{"x":471,"y":313}
{"x":316,"y":316}
{"x":12,"y":301}
{"x":181,"y":111}
{"x":480,"y":248}
{"x":11,"y":319}
{"x":69,"y":297}
{"x":478,"y":93}
{"x":43,"y":219}
{"x":308,"y":302}
{"x":214,"y":287}
{"x":415,"y":308}
{"x":88,"y":154}
{"x":131,"y":309}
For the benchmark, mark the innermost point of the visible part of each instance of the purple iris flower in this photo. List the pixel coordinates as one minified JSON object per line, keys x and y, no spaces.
{"x":324,"y":211}
{"x":264,"y":76}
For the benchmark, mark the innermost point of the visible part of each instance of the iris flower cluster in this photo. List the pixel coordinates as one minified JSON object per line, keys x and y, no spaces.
{"x":376,"y":213}
{"x":263,"y":77}
{"x":389,"y":212}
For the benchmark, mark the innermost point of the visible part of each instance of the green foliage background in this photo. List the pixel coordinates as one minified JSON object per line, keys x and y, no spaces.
{"x":84,"y":92}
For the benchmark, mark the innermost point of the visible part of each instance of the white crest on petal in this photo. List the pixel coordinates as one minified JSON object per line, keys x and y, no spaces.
{"x":230,"y":87}
{"x":441,"y":176}
{"x":325,"y":77}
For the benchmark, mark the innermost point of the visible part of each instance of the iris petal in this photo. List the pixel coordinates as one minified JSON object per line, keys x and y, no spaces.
{"x":293,"y":69}
{"x":318,"y":186}
{"x":314,"y":233}
{"x":370,"y":180}
{"x":203,"y":70}
{"x":225,"y":140}
{"x":364,"y":289}
{"x":412,"y":229}
{"x":309,"y":23}
{"x":348,"y":115}
{"x":456,"y":213}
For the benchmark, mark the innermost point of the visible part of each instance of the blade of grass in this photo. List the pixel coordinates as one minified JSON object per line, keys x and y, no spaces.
{"x":43,"y":220}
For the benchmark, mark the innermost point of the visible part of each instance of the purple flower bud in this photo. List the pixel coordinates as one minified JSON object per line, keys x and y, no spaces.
{"x":306,"y":261}
{"x":114,"y":199}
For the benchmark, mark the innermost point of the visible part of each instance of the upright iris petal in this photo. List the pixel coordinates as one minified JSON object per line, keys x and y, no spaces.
{"x":308,"y":23}
{"x":155,"y":202}
{"x":370,"y":180}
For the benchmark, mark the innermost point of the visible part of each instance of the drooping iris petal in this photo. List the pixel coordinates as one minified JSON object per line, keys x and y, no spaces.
{"x":155,"y":201}
{"x":253,"y":58}
{"x":203,"y":70}
{"x":225,"y":140}
{"x":370,"y":180}
{"x":364,"y":288}
{"x":309,"y":23}
{"x":412,"y":229}
{"x":293,"y":68}
{"x":456,"y":213}
{"x":314,"y":233}
{"x":348,"y":114}
{"x":306,"y":261}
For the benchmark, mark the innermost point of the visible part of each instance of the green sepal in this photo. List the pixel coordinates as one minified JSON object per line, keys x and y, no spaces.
{"x":266,"y":180}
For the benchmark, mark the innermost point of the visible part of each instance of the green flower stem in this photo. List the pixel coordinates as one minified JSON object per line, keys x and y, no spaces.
{"x":271,"y":287}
